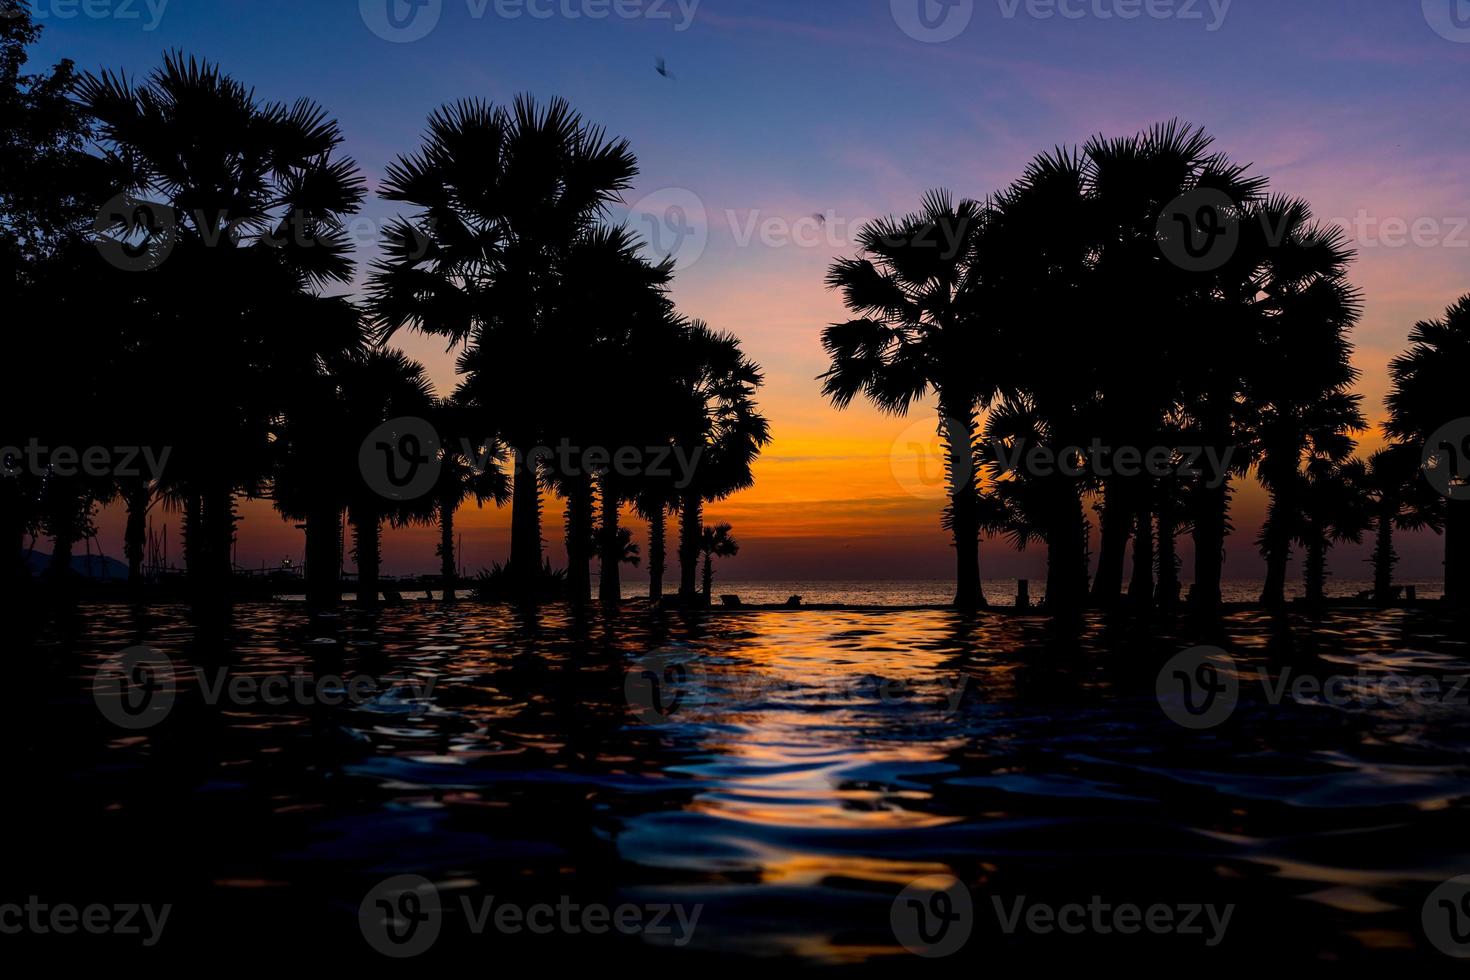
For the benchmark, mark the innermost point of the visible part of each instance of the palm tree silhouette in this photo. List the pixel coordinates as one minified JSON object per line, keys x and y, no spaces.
{"x":715,"y":542}
{"x":1298,"y":395}
{"x":252,"y":199}
{"x":918,"y":332}
{"x":314,"y":465}
{"x":718,"y":428}
{"x":469,"y":469}
{"x":1427,"y":394}
{"x":1398,"y":499}
{"x":376,"y":387}
{"x":502,"y":196}
{"x":1334,"y":509}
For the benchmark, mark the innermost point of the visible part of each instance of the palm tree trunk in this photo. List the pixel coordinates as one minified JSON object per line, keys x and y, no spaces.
{"x":323,"y":556}
{"x":61,"y":550}
{"x":367,"y":552}
{"x":657,"y":556}
{"x":1276,"y":542}
{"x":1141,"y":588}
{"x":1384,"y":559}
{"x":447,"y":570}
{"x":1117,"y":527}
{"x":1457,"y":554}
{"x":525,"y":525}
{"x":691,"y":523}
{"x":709,"y":576}
{"x":1316,"y":567}
{"x":610,"y":585}
{"x":135,"y":533}
{"x":1066,"y":574}
{"x":579,"y":537}
{"x":959,"y":443}
{"x":194,"y":537}
{"x":1211,"y":517}
{"x":218,"y":521}
{"x":1168,"y":588}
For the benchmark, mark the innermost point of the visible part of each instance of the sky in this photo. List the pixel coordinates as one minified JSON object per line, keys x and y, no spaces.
{"x":778,"y":110}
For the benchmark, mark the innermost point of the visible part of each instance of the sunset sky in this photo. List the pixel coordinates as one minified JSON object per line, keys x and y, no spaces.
{"x":780,"y":109}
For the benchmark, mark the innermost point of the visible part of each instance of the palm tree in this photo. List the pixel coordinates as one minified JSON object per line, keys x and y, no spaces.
{"x":1429,"y":393}
{"x":503,"y":194}
{"x":917,"y":333}
{"x":1399,"y":499}
{"x":1147,"y":366}
{"x":469,"y":469}
{"x":250,"y":201}
{"x":1334,"y":509}
{"x":314,"y":466}
{"x":717,"y":427}
{"x":715,"y":542}
{"x":377,"y":387}
{"x":653,"y":506}
{"x":1298,"y":393}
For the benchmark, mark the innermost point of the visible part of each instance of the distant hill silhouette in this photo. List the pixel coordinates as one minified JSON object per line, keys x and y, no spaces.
{"x":95,"y":566}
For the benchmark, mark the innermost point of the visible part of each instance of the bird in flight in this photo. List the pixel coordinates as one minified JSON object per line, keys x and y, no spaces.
{"x":663,"y":69}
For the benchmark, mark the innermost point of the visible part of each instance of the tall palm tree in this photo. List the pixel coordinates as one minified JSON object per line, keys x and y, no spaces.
{"x":715,"y":542}
{"x":314,"y":465}
{"x":918,"y":332}
{"x":1298,"y":394}
{"x":1399,"y":499}
{"x":502,"y":195}
{"x":250,"y":200}
{"x":376,"y":387}
{"x":469,"y":469}
{"x":1147,"y":366}
{"x":1428,"y":393}
{"x":718,"y":428}
{"x":1334,"y":509}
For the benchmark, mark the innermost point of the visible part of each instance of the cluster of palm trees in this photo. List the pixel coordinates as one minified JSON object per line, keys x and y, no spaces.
{"x":1052,"y":316}
{"x":197,"y":317}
